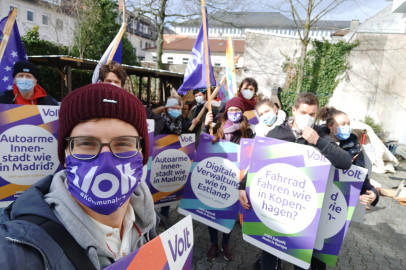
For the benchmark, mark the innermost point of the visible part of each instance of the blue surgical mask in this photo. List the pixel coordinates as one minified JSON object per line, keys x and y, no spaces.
{"x":247,"y":94}
{"x":174,"y":113}
{"x":268,"y":118}
{"x":234,"y":116}
{"x":343,"y":132}
{"x":25,"y":85}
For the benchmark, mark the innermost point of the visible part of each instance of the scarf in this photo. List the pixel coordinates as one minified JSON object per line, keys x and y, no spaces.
{"x":229,"y":129}
{"x":39,"y":92}
{"x":174,"y":125}
{"x":249,"y":105}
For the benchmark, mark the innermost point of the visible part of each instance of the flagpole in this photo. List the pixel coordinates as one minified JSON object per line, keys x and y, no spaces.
{"x":213,"y":95}
{"x":120,"y":35}
{"x":7,"y":30}
{"x":206,"y":54}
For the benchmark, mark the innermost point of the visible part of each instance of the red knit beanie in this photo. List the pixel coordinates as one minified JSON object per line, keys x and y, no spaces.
{"x":101,"y":100}
{"x":235,"y":102}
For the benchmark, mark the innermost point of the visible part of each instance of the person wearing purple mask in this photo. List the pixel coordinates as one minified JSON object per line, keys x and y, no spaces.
{"x":232,"y":126}
{"x":98,"y":202}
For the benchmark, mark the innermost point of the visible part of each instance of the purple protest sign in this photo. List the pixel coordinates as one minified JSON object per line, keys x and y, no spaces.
{"x":285,"y":187}
{"x":170,"y":167}
{"x":340,"y":200}
{"x":211,"y":194}
{"x":28,"y":143}
{"x":171,"y":250}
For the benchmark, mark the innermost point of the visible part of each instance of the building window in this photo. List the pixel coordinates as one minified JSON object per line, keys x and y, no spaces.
{"x":154,"y":58}
{"x":185,"y":61}
{"x":170,"y":60}
{"x":59,"y":24}
{"x":141,"y":44}
{"x":30,"y":15}
{"x":135,"y":51}
{"x":134,"y":24}
{"x":45,"y":20}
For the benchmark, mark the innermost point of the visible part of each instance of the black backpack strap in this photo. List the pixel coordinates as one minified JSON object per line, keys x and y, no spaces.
{"x":72,"y":249}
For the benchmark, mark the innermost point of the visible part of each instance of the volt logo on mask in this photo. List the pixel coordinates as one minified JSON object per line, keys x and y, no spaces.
{"x":104,"y":183}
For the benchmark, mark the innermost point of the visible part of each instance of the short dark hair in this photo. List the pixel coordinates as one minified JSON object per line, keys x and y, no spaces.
{"x":306,"y":98}
{"x":328,"y":114}
{"x":266,"y":101}
{"x":115,"y":68}
{"x":202,"y":90}
{"x":249,"y":81}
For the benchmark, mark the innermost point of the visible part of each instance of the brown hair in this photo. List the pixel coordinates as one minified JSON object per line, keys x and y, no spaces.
{"x":306,"y":98}
{"x":220,"y":126}
{"x":327,"y":114}
{"x":249,"y":81}
{"x":115,"y":68}
{"x":265,"y":101}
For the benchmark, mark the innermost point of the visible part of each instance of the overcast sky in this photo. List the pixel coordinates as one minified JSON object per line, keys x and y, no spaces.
{"x":348,"y":10}
{"x":358,"y":10}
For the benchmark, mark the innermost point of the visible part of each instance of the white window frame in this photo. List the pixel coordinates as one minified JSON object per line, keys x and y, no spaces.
{"x":33,"y":15}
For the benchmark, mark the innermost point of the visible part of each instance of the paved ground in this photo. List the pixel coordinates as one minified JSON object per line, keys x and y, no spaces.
{"x":379,"y":243}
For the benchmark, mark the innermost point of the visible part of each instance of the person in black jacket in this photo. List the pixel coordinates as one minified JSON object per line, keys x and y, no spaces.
{"x":25,"y":89}
{"x":174,"y":122}
{"x":338,"y":128}
{"x":300,"y":130}
{"x":232,"y":126}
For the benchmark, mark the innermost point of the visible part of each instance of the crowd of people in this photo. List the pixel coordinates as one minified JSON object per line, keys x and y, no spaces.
{"x":103,"y":128}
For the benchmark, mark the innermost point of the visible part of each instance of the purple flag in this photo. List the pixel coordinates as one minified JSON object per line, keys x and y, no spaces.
{"x":14,"y":52}
{"x":108,"y":52}
{"x":195,"y":75}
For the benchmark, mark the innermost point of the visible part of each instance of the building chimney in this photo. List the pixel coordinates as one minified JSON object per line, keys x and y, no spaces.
{"x":354,"y":25}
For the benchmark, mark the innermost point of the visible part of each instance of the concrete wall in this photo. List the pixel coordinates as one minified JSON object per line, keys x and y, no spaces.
{"x":375,"y":84}
{"x":264,"y":56}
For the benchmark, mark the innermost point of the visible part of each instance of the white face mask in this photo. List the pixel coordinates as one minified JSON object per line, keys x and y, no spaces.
{"x":303,"y":121}
{"x":247,"y":94}
{"x":199,"y":100}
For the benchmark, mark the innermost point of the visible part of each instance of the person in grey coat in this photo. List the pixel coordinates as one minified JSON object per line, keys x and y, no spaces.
{"x":98,"y":198}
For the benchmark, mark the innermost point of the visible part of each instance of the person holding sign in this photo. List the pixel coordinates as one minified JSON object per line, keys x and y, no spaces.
{"x":300,"y":130}
{"x":26,"y":90}
{"x":97,"y":210}
{"x":201,"y":102}
{"x":338,"y":128}
{"x":232,"y":126}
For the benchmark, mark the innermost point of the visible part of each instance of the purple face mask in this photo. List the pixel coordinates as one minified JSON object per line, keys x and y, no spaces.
{"x":234,"y":116}
{"x":104,"y":183}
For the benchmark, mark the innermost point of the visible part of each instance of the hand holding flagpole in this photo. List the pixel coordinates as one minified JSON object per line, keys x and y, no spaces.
{"x":213,"y":95}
